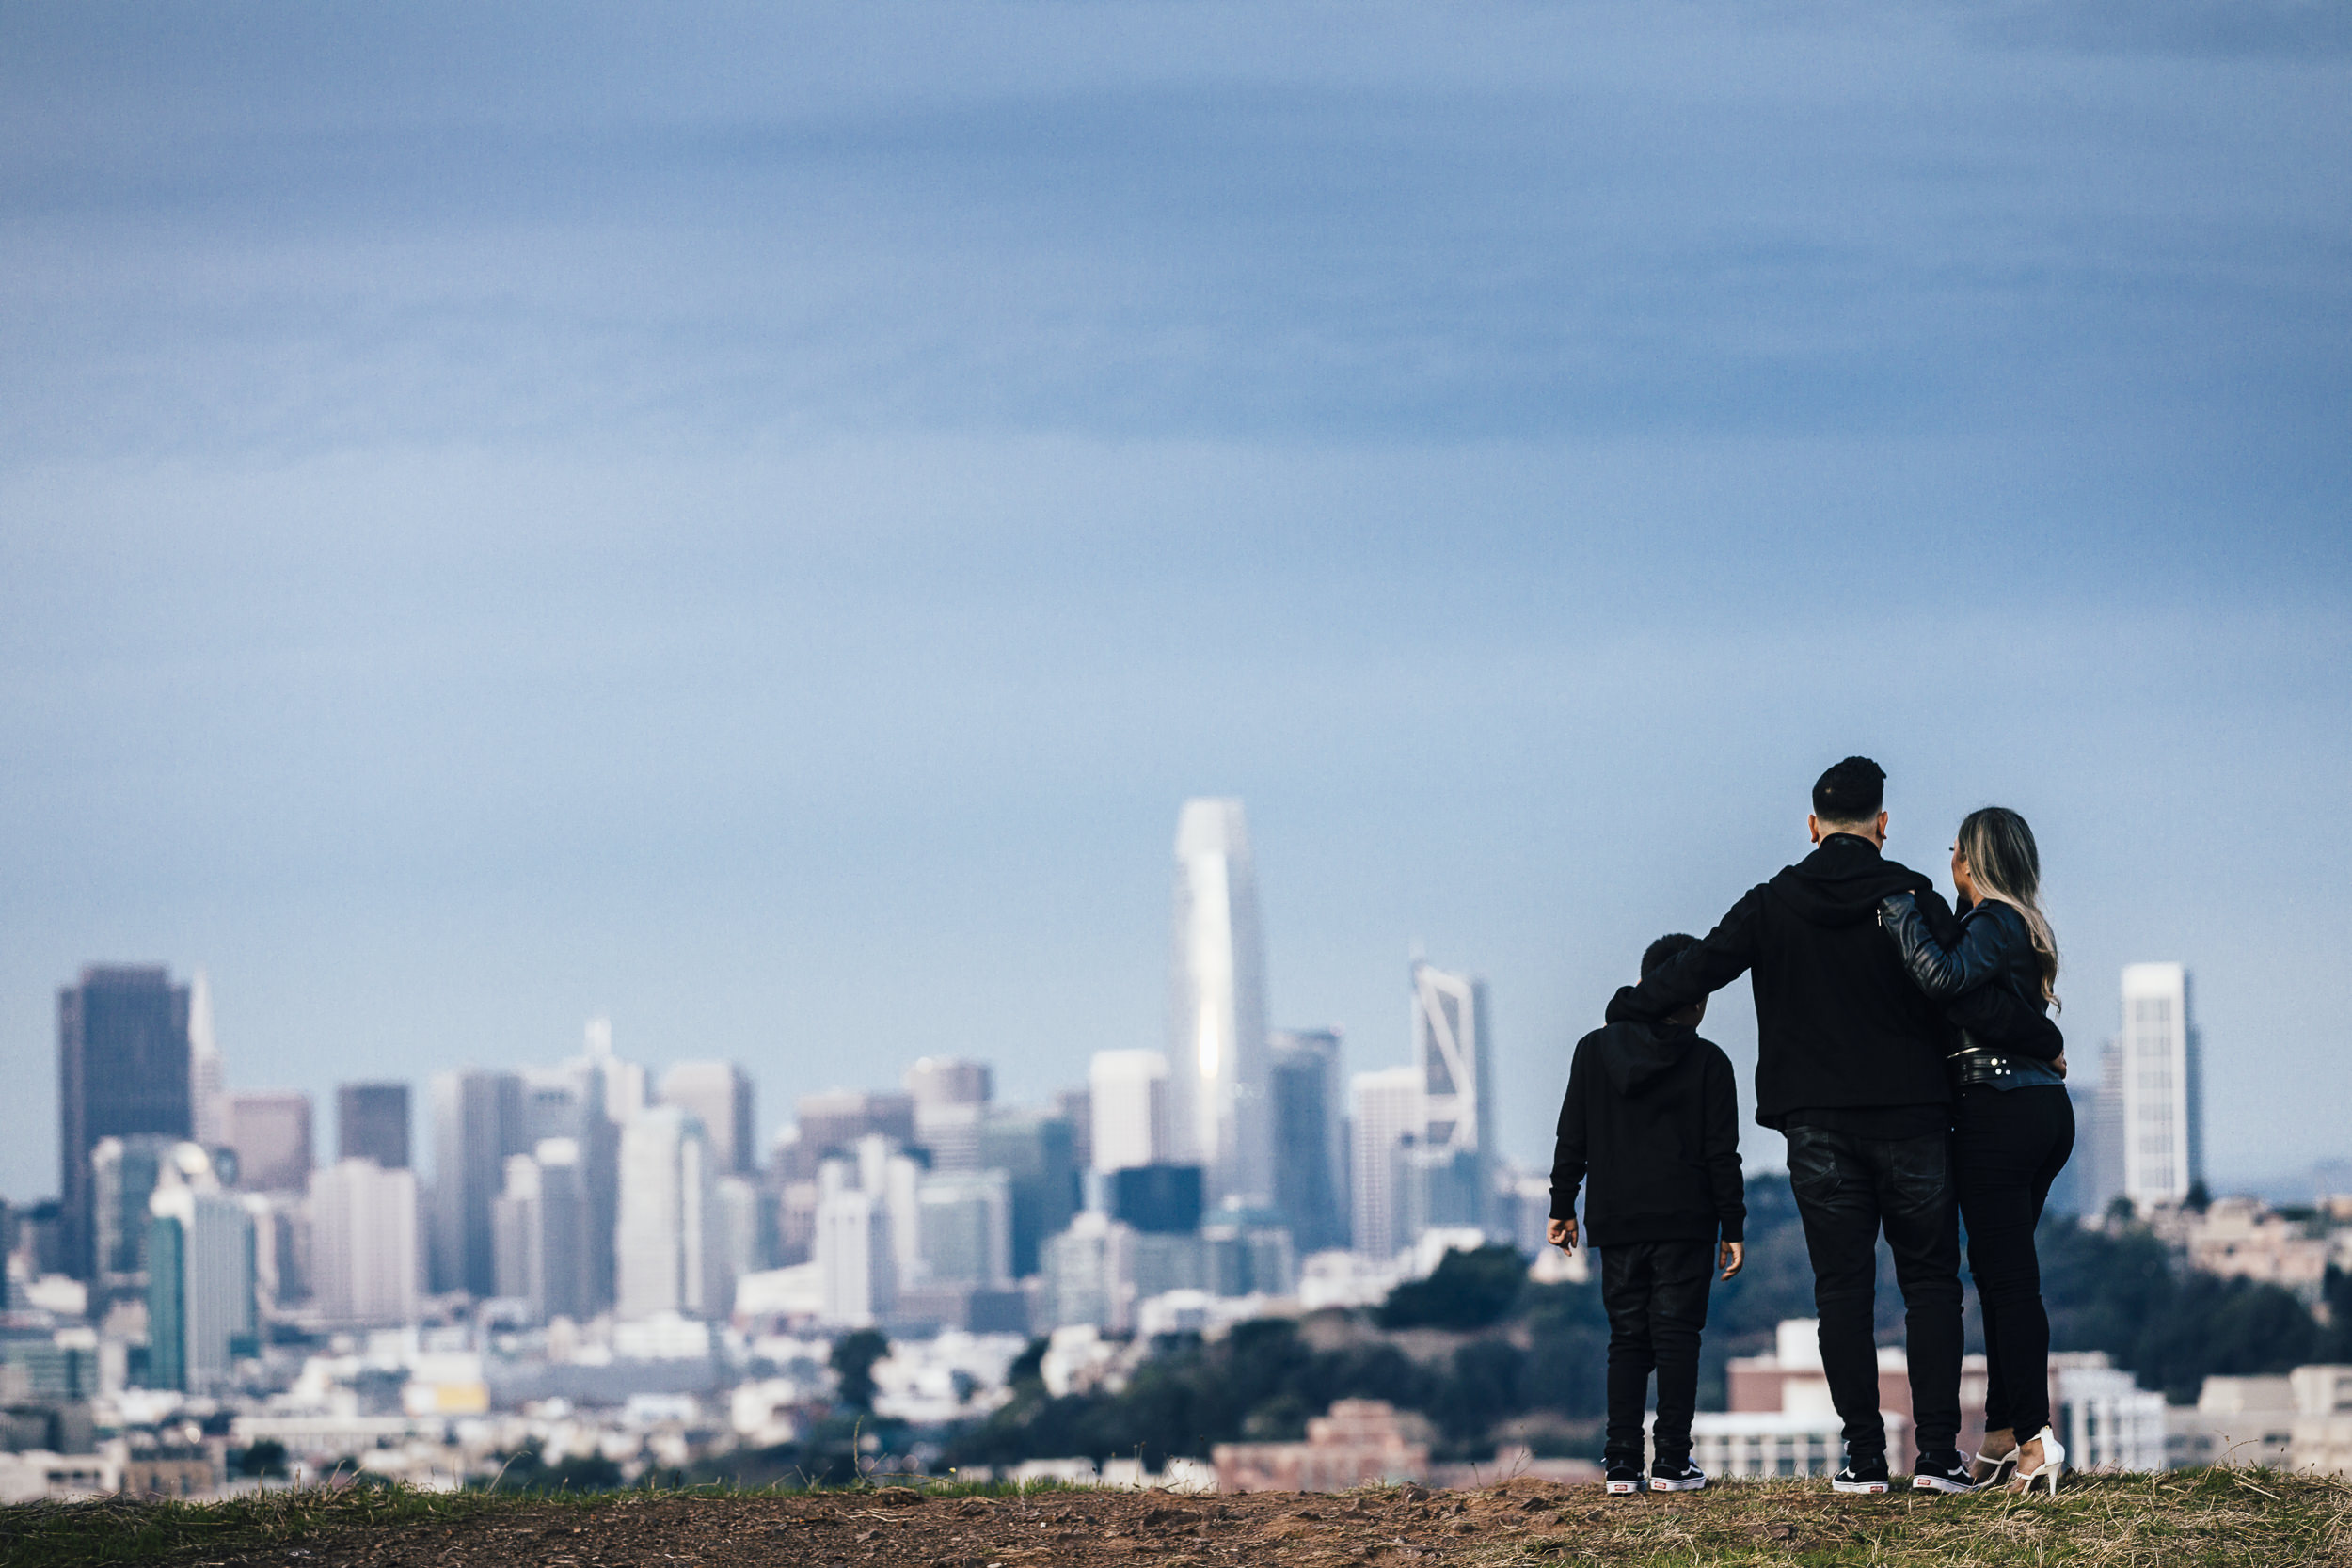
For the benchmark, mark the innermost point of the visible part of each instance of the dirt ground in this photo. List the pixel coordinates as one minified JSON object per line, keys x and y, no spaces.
{"x":2257,"y":1520}
{"x":895,"y":1527}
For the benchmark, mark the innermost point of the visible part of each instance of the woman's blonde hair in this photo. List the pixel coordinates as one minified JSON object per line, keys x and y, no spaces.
{"x":2007,"y":869}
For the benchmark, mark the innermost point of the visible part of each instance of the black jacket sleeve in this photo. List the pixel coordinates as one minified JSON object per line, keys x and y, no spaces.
{"x":1944,"y":972}
{"x":1722,"y":957}
{"x":1569,"y":1151}
{"x":1723,"y":1148}
{"x":1956,"y":975}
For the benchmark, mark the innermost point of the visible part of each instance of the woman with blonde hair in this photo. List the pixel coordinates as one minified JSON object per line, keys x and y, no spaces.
{"x":2013,"y":1126}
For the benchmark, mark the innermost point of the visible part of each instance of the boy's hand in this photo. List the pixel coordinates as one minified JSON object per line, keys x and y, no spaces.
{"x":1731,"y":1255}
{"x":1561,"y":1234}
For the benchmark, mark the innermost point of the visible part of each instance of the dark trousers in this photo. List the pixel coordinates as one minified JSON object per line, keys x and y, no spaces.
{"x":1655,"y":1293}
{"x":2010,"y":1146}
{"x":1848,"y":1189}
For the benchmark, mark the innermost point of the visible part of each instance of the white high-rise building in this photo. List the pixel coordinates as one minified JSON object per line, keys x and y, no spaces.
{"x":1216,"y":1050}
{"x":965,"y":1229}
{"x":1452,"y":1048}
{"x":517,"y":1239}
{"x":720,"y":1095}
{"x":855,"y":1267}
{"x":1128,"y":1108}
{"x":2163,"y":1146}
{"x":1385,"y":1110}
{"x":208,"y":1074}
{"x":659,"y":1253}
{"x":363,"y":1244}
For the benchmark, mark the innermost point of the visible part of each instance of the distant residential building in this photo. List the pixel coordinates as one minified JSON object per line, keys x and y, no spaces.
{"x":372,"y":1123}
{"x":200,"y":1309}
{"x":2322,"y":1441}
{"x":1309,"y":1102}
{"x":365,"y":1259}
{"x":123,"y":1068}
{"x":665,"y":1199}
{"x":2237,"y":1420}
{"x":270,"y":1130}
{"x":721,"y":1094}
{"x":2163,"y":1093}
{"x":2240,"y":1237}
{"x":1356,"y":1443}
{"x":477,"y":1125}
{"x":1128,"y":1107}
{"x":1217,"y":1048}
{"x":1385,"y":1110}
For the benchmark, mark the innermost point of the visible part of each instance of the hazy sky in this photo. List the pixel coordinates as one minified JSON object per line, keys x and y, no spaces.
{"x":753,"y":519}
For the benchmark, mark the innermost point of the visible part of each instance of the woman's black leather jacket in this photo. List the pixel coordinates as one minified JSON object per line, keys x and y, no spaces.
{"x":1994,"y":948}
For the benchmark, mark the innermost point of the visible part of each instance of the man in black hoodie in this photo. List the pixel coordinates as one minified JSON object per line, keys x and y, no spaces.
{"x":1652,"y":1114}
{"x":1849,"y":1066}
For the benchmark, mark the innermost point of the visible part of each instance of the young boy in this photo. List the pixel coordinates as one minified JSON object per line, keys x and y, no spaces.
{"x":1652,"y":1118}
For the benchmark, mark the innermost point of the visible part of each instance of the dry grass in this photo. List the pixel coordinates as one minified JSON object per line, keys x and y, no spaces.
{"x":2259,"y":1519}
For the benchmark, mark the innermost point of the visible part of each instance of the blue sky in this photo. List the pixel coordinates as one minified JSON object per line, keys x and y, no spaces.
{"x":752,"y":520}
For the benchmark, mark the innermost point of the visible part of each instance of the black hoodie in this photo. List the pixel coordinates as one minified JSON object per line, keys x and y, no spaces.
{"x":1839,"y":1023}
{"x":1652,"y":1114}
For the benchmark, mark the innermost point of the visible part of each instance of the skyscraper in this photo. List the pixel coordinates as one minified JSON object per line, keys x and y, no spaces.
{"x":372,"y":1123}
{"x":200,"y":1309}
{"x":208,"y":1074}
{"x":1451,"y":1047}
{"x":719,"y":1094}
{"x":270,"y":1130}
{"x":659,"y":1247}
{"x":124,"y":1174}
{"x":832,"y":1121}
{"x":477,"y":1122}
{"x":949,"y":1081}
{"x":1216,"y":1050}
{"x":1310,"y":1156}
{"x":123,"y":1068}
{"x":1128,"y":1105}
{"x":363,"y":1244}
{"x":2164,"y":1144}
{"x":1385,"y":1108}
{"x":1037,"y":1152}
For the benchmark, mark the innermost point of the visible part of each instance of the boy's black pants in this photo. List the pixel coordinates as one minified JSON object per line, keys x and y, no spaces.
{"x":1655,"y":1293}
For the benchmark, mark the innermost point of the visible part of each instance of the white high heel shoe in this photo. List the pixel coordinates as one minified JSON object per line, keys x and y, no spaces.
{"x":2052,"y":1465}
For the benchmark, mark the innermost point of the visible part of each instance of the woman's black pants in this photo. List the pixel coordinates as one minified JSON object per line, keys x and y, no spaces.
{"x":2010,"y":1145}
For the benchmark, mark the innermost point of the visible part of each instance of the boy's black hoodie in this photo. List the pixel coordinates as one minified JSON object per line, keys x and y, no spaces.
{"x":1652,"y":1113}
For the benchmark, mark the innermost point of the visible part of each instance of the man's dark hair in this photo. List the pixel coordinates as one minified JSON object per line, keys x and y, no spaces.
{"x":1853,"y":791}
{"x":1665,"y":947}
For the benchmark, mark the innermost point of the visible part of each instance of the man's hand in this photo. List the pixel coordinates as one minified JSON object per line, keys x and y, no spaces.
{"x":1732,"y":1256}
{"x":2060,"y":1064}
{"x":1561,"y":1234}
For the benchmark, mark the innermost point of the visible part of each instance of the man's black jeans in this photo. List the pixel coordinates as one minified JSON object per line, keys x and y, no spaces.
{"x":1655,"y":1293}
{"x":1847,"y":1189}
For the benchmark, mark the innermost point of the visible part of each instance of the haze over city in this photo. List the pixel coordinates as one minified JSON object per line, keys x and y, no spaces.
{"x":752,"y":527}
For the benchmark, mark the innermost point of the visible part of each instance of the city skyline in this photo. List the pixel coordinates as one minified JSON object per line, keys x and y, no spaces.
{"x":753,"y":529}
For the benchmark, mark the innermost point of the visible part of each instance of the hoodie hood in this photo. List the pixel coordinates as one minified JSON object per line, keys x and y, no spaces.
{"x":1634,"y":1057}
{"x":1841,"y":883}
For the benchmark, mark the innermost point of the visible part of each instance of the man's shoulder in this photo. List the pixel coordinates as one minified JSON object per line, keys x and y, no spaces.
{"x":1709,"y":1054}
